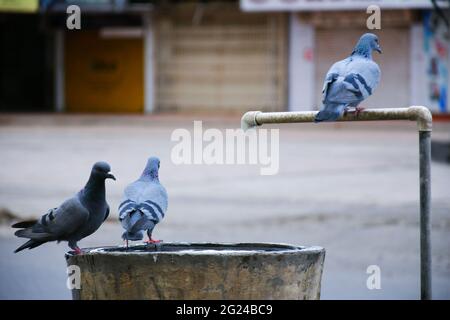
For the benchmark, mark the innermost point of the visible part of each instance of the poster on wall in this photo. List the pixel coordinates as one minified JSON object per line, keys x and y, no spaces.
{"x":436,"y":54}
{"x":311,"y":5}
{"x":19,"y":5}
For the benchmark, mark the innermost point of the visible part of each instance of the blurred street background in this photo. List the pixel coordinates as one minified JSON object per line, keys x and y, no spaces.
{"x":351,"y":188}
{"x":137,"y":70}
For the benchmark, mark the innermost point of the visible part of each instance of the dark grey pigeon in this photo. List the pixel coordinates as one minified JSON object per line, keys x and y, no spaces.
{"x":75,"y":219}
{"x":350,"y":81}
{"x":144,"y":204}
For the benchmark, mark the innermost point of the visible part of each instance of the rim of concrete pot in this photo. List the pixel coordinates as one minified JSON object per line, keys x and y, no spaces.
{"x":202,"y":248}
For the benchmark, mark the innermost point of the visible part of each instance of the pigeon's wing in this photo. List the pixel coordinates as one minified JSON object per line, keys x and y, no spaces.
{"x":141,"y":191}
{"x":164,"y":198}
{"x":343,"y":92}
{"x":336,"y":71}
{"x":357,"y":81}
{"x":129,"y":201}
{"x":363,"y":76}
{"x":59,"y":222}
{"x":158,"y":194}
{"x":68,"y":217}
{"x":154,"y":198}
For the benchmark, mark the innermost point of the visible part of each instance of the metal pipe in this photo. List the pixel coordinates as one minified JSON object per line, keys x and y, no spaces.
{"x":425,"y":213}
{"x":423,"y":117}
{"x":415,"y":113}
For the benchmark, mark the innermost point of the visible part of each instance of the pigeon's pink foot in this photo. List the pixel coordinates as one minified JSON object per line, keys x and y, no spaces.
{"x":78,"y":251}
{"x":153,"y":241}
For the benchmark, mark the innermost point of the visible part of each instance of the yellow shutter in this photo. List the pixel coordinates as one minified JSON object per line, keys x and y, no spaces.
{"x":103,"y":75}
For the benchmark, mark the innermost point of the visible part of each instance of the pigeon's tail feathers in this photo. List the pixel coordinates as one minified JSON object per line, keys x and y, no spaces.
{"x":326,"y":115}
{"x":30,"y":244}
{"x":142,"y":223}
{"x":133,"y":236}
{"x":24,"y":224}
{"x":30,"y":234}
{"x":329,"y":113}
{"x":138,"y":217}
{"x":24,"y":233}
{"x":132,"y":213}
{"x":136,"y":222}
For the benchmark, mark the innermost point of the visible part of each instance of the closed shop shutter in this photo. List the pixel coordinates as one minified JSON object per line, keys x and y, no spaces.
{"x":336,"y":44}
{"x":103,"y":74}
{"x":218,"y":58}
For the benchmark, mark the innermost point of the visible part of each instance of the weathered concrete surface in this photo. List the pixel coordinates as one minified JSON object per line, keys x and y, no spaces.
{"x":200,"y":271}
{"x":351,"y":188}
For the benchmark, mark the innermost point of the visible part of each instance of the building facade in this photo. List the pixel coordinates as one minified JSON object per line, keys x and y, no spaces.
{"x":184,"y":56}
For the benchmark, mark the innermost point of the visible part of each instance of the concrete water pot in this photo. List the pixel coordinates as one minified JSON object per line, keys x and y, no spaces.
{"x":200,"y":271}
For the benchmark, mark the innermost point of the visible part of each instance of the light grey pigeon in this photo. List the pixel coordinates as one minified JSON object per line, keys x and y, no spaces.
{"x":144,"y":204}
{"x":350,"y":81}
{"x":75,"y":219}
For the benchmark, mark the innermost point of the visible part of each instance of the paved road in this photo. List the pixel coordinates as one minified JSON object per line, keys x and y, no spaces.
{"x":352,"y":189}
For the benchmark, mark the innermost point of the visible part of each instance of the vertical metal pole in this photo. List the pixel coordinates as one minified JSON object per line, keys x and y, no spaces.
{"x":424,"y":120}
{"x":425,"y":213}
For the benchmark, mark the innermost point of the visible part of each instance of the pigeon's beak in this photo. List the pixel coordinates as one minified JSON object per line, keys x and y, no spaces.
{"x":378,"y":49}
{"x":110,"y":176}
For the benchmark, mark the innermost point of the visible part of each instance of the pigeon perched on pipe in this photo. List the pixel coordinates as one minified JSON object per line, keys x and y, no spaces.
{"x":75,"y":219}
{"x":350,"y":81}
{"x":144,"y":204}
